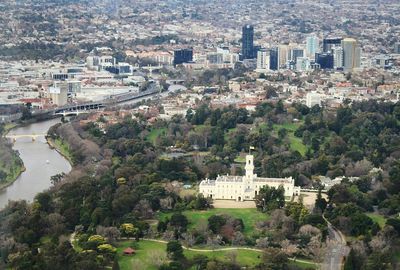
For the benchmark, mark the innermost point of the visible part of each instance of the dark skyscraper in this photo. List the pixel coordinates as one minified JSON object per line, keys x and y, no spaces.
{"x":183,"y":56}
{"x":274,"y":59}
{"x":296,"y":53}
{"x":248,"y":42}
{"x":328,"y":43}
{"x":325,"y":60}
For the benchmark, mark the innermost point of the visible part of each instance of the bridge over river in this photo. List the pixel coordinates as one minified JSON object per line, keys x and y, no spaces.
{"x":34,"y":137}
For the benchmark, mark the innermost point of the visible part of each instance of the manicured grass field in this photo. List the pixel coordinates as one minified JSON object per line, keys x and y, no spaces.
{"x":249,"y":216}
{"x":155,"y":133}
{"x":291,"y":127}
{"x":146,"y":250}
{"x":296,"y":144}
{"x":142,"y":256}
{"x":381,"y":220}
{"x":240,"y":159}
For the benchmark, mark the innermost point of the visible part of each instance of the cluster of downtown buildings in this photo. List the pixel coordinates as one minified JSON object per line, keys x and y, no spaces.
{"x":313,"y":43}
{"x":335,"y":53}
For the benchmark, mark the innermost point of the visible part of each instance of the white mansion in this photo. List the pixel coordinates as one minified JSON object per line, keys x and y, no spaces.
{"x":245,"y":188}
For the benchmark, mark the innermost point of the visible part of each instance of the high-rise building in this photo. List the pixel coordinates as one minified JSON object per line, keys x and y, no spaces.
{"x":303,"y":64}
{"x":337,"y":57}
{"x":351,"y":54}
{"x":58,"y":95}
{"x":329,"y":43}
{"x":248,"y":42}
{"x":283,"y":53}
{"x":215,"y":58}
{"x":274,"y":59}
{"x":295,"y":53}
{"x":312,"y":46}
{"x":72,"y":87}
{"x":263,"y":60}
{"x":183,"y":56}
{"x":325,"y":60}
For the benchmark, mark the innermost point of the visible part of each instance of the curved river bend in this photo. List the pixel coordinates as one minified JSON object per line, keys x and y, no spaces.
{"x":35,"y":155}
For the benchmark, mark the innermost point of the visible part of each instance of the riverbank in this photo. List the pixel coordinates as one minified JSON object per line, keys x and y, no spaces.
{"x":12,"y":177}
{"x":61,"y":147}
{"x":11,"y":165}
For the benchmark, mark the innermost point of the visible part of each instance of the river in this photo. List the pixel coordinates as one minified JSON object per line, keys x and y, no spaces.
{"x":35,"y":155}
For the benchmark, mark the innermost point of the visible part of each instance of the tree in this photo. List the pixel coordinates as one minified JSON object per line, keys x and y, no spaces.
{"x":115,"y":265}
{"x":26,"y":111}
{"x":270,"y":198}
{"x":394,"y":177}
{"x":320,"y":203}
{"x":175,"y":250}
{"x":179,"y":221}
{"x":127,"y":229}
{"x":55,"y":179}
{"x":274,"y":259}
{"x":379,"y":261}
{"x":216,"y":222}
{"x":110,"y":233}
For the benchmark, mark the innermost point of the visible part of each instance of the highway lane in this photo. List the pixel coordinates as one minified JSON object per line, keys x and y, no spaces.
{"x":337,"y":249}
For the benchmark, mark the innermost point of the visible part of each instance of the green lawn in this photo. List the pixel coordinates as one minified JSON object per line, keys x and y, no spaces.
{"x":296,"y":144}
{"x":243,"y":257}
{"x":249,"y":216}
{"x":240,"y":159}
{"x":228,"y":133}
{"x":62,"y":147}
{"x":146,"y":251}
{"x":291,"y":127}
{"x":11,"y":165}
{"x":381,"y":220}
{"x":155,"y":133}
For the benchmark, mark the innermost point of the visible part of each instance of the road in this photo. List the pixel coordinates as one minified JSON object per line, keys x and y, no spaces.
{"x":337,"y":249}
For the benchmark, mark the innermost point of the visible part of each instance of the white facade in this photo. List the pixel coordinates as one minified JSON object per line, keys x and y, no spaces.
{"x":313,"y":99}
{"x":263,"y":59}
{"x":303,"y":64}
{"x":58,"y":95}
{"x":337,"y":57}
{"x":245,"y":188}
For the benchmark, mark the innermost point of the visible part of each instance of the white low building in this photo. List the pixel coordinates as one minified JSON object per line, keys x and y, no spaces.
{"x":313,"y":99}
{"x":245,"y":188}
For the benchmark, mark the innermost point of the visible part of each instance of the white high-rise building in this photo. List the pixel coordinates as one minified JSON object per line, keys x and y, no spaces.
{"x":263,"y":60}
{"x":312,"y":46}
{"x":351,"y":54}
{"x":337,"y":57}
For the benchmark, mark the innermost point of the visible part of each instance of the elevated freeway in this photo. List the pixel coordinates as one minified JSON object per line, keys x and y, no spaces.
{"x":81,"y":108}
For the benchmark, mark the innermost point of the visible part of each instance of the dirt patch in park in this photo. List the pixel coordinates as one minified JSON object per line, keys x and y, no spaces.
{"x":233,"y":204}
{"x":310,"y":197}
